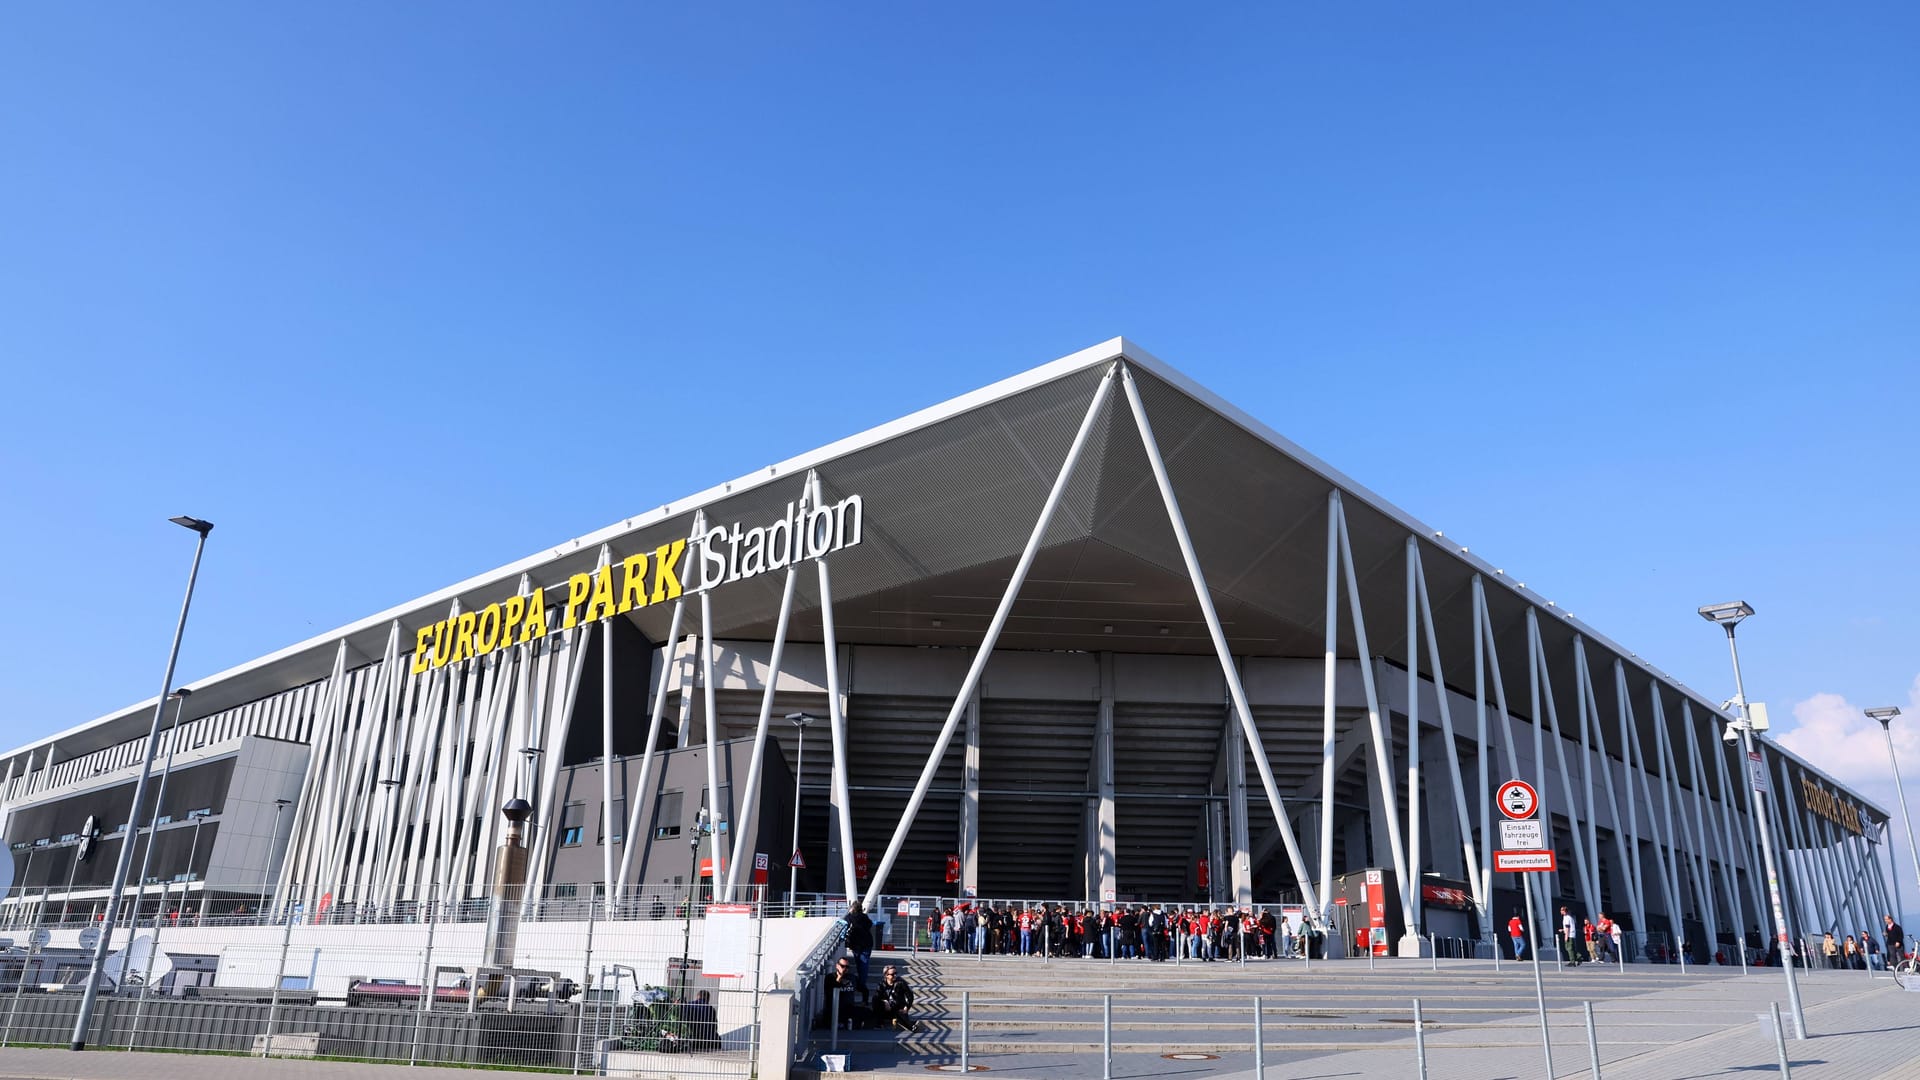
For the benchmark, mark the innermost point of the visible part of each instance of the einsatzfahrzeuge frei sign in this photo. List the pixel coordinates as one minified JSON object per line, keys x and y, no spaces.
{"x":706,"y":560}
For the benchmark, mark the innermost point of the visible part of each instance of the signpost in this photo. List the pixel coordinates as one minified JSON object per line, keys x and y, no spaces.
{"x":1524,"y":851}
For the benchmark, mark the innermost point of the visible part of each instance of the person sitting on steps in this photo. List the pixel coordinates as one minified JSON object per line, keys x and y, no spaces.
{"x":892,"y":1001}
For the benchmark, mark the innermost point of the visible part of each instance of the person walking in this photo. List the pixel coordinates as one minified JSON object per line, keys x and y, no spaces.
{"x":860,"y":941}
{"x":1567,"y":938}
{"x":1896,"y":942}
{"x":1517,"y":931}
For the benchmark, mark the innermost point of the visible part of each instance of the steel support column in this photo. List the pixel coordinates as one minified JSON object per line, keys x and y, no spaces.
{"x":994,"y":626}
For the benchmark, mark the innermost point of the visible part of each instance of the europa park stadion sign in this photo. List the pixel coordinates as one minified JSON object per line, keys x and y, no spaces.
{"x":718,"y":556}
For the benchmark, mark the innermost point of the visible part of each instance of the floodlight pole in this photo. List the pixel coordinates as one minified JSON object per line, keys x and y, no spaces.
{"x":1885,"y":716}
{"x":91,"y":995}
{"x":1745,"y":728}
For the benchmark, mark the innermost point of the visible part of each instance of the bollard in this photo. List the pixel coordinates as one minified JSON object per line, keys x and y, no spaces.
{"x":1780,"y":1041}
{"x":966,"y":1022}
{"x":1420,"y":1038}
{"x":1046,"y":943}
{"x":1593,"y":1041}
{"x":1106,"y":1037}
{"x":1433,"y":947}
{"x":1259,"y":1042}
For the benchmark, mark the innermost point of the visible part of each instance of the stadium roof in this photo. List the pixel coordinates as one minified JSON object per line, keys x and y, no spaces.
{"x":950,"y":494}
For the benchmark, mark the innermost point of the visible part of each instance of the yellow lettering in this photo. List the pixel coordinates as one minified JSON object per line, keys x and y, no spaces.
{"x":666,"y":578}
{"x":633,"y":583}
{"x":463,"y":637}
{"x":536,"y":624}
{"x":489,"y":629}
{"x":420,"y":654}
{"x":577,"y":588}
{"x":440,"y":642}
{"x":516,"y":607}
{"x":602,"y":605}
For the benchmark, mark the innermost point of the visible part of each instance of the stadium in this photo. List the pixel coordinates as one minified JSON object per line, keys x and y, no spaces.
{"x":1088,"y":634}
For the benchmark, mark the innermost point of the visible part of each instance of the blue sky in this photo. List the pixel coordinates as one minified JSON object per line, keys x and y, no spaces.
{"x":1624,"y":299}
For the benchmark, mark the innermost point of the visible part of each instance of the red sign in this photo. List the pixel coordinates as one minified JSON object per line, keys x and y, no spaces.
{"x":1517,"y":799}
{"x":860,"y":864}
{"x":797,"y":862}
{"x":953,"y":869}
{"x":1377,"y":916}
{"x":1200,"y":873}
{"x":706,"y":867}
{"x":759,"y":868}
{"x":1446,"y":896}
{"x":1522,"y":862}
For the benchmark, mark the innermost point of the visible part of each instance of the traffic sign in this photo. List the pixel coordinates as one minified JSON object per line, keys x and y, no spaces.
{"x":89,"y":938}
{"x":1757,"y":769}
{"x":1517,"y":799}
{"x":1528,"y":835}
{"x":1522,"y":862}
{"x":797,"y":862}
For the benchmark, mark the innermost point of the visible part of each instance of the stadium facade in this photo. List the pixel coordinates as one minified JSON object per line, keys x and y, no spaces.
{"x":1088,"y":633}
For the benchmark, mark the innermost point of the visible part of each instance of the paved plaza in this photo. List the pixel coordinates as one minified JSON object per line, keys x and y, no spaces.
{"x":1332,"y":1021}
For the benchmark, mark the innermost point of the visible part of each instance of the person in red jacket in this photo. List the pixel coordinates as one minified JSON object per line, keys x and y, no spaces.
{"x":1517,"y":930}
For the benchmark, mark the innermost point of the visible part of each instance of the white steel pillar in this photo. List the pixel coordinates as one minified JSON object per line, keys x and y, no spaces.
{"x":1225,"y":657}
{"x":747,"y":807}
{"x":1327,"y":702}
{"x":1664,"y":851}
{"x":1585,"y":877}
{"x":1635,"y":872}
{"x":716,"y":813}
{"x":1415,"y":915}
{"x":1239,"y":849}
{"x":994,"y":626}
{"x":836,"y":710}
{"x":1725,"y":830}
{"x":970,"y":800}
{"x":1477,"y":884}
{"x":1106,"y":838}
{"x":606,"y":742}
{"x":1704,"y":853}
{"x":639,"y":795}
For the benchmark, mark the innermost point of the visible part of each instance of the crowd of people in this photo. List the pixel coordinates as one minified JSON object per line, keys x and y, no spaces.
{"x":1153,"y":932}
{"x":1599,"y":940}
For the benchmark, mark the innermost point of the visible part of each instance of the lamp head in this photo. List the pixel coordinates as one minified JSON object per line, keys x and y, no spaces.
{"x":516,"y":810}
{"x":1728,"y":614}
{"x":801,"y":719}
{"x":194,"y":523}
{"x":182,"y":694}
{"x":1884,"y":714}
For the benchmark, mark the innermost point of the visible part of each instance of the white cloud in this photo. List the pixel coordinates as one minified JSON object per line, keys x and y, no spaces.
{"x":1836,"y":735}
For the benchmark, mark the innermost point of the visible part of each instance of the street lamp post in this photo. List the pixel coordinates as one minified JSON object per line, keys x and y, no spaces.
{"x":153,"y":827}
{"x":390,"y":838}
{"x":192,"y":854}
{"x":1728,"y":616}
{"x":1885,"y":716}
{"x":799,"y":720}
{"x":693,"y":876}
{"x":530,"y":791}
{"x":91,"y":995}
{"x":273,"y":839}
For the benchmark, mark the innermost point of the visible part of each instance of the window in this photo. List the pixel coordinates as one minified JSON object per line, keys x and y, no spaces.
{"x":565,"y":892}
{"x":205,"y":811}
{"x":68,"y":837}
{"x":573,"y":826}
{"x":619,"y":822}
{"x":668,"y":817}
{"x":163,"y":819}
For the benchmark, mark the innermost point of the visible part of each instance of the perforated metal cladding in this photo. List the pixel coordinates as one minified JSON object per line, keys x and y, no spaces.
{"x":937,"y":500}
{"x":1256,"y":517}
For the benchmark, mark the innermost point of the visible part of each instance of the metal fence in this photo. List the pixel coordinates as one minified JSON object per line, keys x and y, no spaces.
{"x":641,"y":993}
